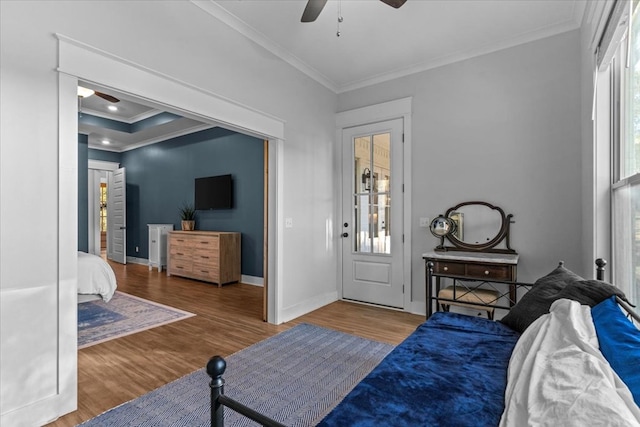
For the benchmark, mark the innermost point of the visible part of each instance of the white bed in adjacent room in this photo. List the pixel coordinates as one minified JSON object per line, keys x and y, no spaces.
{"x":96,"y":279}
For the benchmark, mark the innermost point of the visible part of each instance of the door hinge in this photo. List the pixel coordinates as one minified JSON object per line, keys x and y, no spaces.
{"x":402,"y":238}
{"x":403,"y":138}
{"x":403,"y":289}
{"x":403,"y":188}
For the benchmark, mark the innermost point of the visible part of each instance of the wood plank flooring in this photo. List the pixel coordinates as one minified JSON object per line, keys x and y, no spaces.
{"x":227,"y":320}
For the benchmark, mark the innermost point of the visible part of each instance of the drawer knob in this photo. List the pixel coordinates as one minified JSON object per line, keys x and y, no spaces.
{"x":446,"y":269}
{"x":486,"y":272}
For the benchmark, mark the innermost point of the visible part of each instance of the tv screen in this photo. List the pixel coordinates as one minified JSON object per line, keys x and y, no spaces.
{"x":214,"y":192}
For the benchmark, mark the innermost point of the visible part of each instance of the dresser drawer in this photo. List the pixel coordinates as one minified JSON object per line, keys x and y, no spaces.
{"x":205,"y":272}
{"x":495,"y":272}
{"x":449,"y":268}
{"x":207,"y":244}
{"x":179,"y":267}
{"x":180,"y":251}
{"x":208,"y":258}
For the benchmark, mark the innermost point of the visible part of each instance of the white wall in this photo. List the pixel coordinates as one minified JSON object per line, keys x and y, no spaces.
{"x":176,"y":39}
{"x":502,"y":128}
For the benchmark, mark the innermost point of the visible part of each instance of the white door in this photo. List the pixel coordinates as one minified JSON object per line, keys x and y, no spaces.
{"x":117,"y":217}
{"x":372,"y":242}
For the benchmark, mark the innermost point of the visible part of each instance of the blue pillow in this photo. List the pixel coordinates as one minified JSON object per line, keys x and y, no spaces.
{"x":619,"y":343}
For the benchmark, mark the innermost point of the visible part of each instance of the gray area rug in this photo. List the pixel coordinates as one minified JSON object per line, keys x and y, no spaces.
{"x":125,"y":314}
{"x":295,"y":377}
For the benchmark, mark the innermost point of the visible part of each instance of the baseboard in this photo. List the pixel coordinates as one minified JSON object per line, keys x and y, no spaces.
{"x":135,"y":260}
{"x":307,"y":306}
{"x":249,"y":280}
{"x":252,"y":280}
{"x":418,"y":307}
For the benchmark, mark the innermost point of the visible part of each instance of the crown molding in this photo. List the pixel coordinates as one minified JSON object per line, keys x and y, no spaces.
{"x":227,"y":18}
{"x":528,"y":37}
{"x":129,"y":121}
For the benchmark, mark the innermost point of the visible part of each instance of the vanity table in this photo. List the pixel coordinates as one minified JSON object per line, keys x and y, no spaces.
{"x":478,"y":280}
{"x":478,"y":265}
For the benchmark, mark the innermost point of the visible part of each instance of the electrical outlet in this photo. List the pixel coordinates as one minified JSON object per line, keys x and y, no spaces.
{"x":137,"y":249}
{"x":424,"y":222}
{"x":288,"y":222}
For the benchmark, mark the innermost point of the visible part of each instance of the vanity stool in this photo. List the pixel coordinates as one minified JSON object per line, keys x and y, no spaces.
{"x":479,"y":299}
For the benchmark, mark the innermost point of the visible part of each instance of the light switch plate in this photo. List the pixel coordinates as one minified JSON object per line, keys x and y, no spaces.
{"x":288,"y":222}
{"x":424,"y":222}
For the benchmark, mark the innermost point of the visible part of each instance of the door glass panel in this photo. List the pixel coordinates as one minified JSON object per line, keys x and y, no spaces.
{"x":372,"y":198}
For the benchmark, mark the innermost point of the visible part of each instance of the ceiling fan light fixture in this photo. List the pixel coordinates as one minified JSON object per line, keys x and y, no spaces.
{"x":112,"y":108}
{"x":83,"y":92}
{"x":106,"y":142}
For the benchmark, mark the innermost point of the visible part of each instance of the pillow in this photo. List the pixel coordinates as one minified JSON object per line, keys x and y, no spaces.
{"x":590,"y":292}
{"x":537,"y":301}
{"x":619,"y":343}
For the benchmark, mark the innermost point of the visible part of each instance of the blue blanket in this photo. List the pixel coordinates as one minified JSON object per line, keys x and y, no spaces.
{"x":452,"y":371}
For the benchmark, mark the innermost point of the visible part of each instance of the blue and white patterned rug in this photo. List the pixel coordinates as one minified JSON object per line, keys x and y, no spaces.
{"x":295,"y":377}
{"x":123,"y":315}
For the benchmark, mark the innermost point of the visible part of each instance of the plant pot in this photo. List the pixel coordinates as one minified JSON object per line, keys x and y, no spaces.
{"x":188,"y":225}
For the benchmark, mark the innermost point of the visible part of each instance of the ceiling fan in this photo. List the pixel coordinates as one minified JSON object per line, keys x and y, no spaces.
{"x":84,"y":93}
{"x":314,"y":7}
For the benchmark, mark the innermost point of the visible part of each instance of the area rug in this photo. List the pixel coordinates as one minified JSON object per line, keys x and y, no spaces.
{"x":123,"y":315}
{"x":295,"y":377}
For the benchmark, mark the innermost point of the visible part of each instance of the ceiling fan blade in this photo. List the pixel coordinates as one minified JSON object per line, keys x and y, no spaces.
{"x":107,"y":97}
{"x":312,"y":10}
{"x":394,"y":3}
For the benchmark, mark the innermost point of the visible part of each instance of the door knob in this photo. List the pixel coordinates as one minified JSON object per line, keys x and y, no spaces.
{"x":345,"y":234}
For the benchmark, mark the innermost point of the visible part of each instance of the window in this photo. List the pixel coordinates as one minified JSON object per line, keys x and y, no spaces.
{"x":626,"y":152}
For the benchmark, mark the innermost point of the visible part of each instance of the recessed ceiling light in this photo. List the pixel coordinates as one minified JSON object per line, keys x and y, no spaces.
{"x":112,"y":108}
{"x":106,"y":142}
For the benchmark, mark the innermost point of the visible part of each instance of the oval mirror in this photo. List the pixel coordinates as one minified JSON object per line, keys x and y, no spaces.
{"x":477,"y":226}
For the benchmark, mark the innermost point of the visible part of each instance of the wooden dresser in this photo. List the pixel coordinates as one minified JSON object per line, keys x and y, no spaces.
{"x":211,"y":256}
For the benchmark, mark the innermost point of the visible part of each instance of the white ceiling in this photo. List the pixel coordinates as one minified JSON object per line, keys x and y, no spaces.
{"x":377,"y":43}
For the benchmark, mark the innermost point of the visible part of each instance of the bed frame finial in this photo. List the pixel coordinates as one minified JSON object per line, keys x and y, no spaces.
{"x":561,"y":264}
{"x":215,"y":368}
{"x":600,"y":263}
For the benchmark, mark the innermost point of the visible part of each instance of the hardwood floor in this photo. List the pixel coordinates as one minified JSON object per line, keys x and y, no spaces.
{"x":227,"y":319}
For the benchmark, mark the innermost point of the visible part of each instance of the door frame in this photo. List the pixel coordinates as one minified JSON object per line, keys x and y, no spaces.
{"x":79,"y":61}
{"x":397,"y":109}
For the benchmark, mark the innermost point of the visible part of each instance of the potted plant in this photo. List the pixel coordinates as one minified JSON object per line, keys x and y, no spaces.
{"x":188,"y":217}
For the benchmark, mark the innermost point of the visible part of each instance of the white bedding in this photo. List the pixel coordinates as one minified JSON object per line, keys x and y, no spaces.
{"x":95,"y":276}
{"x":558,"y":377}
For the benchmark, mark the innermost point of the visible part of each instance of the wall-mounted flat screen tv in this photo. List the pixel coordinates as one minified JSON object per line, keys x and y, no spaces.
{"x":214,"y":192}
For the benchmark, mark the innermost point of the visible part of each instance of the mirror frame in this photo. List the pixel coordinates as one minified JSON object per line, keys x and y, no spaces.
{"x":490,"y":246}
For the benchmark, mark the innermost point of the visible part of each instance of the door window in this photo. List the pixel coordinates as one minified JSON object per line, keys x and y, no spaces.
{"x":372,"y":196}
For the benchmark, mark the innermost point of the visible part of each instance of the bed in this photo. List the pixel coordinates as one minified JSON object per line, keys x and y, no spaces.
{"x":96,"y":279}
{"x":566,"y":354}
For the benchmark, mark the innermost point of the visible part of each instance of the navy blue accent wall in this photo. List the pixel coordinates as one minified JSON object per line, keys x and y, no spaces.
{"x":83,"y":196}
{"x":160,"y":178}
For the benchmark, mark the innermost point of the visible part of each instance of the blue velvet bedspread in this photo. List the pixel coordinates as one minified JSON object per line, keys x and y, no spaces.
{"x":452,"y":371}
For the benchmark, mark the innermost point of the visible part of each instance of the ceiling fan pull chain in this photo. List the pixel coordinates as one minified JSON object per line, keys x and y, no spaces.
{"x":340,"y":18}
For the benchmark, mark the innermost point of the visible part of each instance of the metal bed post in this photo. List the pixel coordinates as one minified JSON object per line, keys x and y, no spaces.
{"x":215,"y":368}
